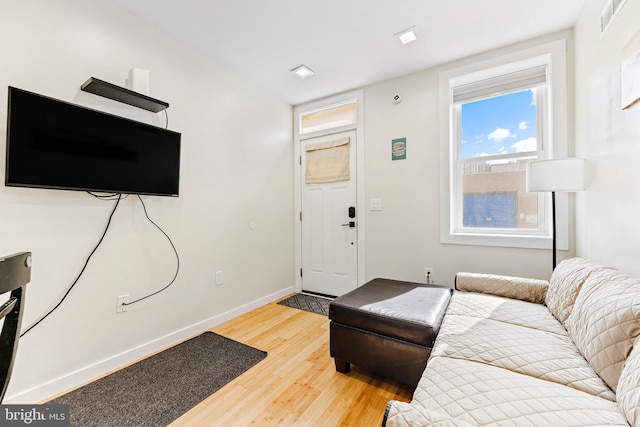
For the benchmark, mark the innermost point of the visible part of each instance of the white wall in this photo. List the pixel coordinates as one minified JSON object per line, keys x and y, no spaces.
{"x":404,"y":237}
{"x":236,"y":168}
{"x":608,"y":228}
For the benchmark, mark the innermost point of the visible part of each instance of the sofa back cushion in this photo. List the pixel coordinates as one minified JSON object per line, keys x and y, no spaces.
{"x":629,"y":387}
{"x":605,"y":321}
{"x":565,"y":284}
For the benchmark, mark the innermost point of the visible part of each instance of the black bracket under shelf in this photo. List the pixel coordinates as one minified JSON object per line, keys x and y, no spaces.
{"x":121,"y":94}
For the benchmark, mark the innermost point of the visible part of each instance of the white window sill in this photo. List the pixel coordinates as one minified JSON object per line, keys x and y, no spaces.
{"x":530,"y":242}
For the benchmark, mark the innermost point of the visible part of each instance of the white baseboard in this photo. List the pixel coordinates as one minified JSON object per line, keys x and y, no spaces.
{"x":68,"y":381}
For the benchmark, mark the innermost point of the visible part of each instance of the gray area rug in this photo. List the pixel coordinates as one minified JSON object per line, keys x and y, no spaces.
{"x":306,"y":302}
{"x":159,"y":389}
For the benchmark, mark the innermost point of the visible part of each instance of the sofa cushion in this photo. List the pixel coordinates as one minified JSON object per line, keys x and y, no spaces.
{"x":565,"y":284}
{"x":605,"y":321}
{"x":505,"y":310}
{"x":482,"y":394}
{"x":402,"y":414}
{"x":536,"y":353}
{"x":629,"y":386}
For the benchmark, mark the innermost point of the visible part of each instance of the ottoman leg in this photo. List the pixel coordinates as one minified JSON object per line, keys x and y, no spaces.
{"x":341,"y":365}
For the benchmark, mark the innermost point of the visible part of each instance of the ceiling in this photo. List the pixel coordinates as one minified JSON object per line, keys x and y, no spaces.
{"x":348,"y":43}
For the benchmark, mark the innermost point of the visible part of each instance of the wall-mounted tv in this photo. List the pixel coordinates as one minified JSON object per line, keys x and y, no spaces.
{"x":58,"y":145}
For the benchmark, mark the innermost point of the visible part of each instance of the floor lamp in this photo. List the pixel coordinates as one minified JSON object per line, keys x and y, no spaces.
{"x":565,"y":175}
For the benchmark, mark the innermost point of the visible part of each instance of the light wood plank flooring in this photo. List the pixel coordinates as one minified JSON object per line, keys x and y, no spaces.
{"x":296,"y":384}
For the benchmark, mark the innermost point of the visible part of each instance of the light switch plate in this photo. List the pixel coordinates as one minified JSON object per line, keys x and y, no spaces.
{"x":375,"y":205}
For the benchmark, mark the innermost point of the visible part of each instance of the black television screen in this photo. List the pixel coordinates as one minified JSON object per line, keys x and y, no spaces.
{"x":55,"y":144}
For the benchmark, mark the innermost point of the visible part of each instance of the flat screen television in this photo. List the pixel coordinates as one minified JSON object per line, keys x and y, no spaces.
{"x":58,"y":145}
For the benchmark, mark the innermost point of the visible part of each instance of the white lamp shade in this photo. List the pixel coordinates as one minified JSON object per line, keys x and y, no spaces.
{"x":555,"y":175}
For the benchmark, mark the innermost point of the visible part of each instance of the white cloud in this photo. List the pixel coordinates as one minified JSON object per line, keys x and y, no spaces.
{"x":500,"y":134}
{"x":523,"y":126}
{"x":529,"y":144}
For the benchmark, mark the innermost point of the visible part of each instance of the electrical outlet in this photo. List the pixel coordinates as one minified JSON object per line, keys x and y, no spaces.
{"x":428,"y":274}
{"x":122,"y":300}
{"x":219,"y":277}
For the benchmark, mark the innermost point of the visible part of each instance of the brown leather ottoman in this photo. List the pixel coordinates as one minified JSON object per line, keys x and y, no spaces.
{"x":388,"y":327}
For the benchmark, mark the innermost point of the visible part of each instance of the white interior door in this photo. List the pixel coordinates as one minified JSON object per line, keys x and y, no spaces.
{"x":329,"y":226}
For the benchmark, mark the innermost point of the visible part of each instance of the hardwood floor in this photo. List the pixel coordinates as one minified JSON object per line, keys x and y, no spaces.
{"x":296,"y":384}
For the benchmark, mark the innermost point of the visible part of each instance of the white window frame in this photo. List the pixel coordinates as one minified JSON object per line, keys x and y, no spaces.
{"x":554,"y":145}
{"x":542,"y":95}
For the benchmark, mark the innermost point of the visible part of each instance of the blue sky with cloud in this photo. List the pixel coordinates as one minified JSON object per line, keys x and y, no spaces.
{"x":500,"y":125}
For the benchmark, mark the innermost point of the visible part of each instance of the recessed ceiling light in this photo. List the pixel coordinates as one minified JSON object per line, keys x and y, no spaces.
{"x":407,"y":36}
{"x":303,"y":72}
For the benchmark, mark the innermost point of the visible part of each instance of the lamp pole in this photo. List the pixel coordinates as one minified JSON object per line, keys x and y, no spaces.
{"x":553,"y":219}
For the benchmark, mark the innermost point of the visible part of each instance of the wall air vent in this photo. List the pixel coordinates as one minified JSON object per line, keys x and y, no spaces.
{"x":610,"y":11}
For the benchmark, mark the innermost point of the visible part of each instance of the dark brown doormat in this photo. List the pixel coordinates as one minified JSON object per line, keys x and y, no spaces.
{"x":159,"y":389}
{"x":319,"y":305}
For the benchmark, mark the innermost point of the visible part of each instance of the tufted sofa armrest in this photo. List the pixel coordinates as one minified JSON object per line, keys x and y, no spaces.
{"x":531,"y":290}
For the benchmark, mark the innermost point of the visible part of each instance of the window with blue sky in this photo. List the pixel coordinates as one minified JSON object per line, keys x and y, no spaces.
{"x":499,"y":125}
{"x":498,"y":136}
{"x":497,"y":115}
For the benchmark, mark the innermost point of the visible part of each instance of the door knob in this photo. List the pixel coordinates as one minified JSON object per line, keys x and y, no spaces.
{"x":350,"y":224}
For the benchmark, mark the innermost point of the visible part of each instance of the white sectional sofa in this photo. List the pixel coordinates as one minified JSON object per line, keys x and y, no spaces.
{"x":523,"y":352}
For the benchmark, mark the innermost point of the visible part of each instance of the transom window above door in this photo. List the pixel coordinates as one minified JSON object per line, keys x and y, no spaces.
{"x":333,"y":116}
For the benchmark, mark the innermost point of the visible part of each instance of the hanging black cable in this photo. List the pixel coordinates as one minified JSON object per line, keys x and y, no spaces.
{"x":115,"y":206}
{"x":174,"y":250}
{"x":112,"y":196}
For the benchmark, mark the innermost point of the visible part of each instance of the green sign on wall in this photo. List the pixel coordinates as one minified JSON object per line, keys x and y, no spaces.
{"x":399,"y":149}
